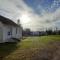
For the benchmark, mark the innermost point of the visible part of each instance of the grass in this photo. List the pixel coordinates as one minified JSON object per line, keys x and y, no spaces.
{"x":27,"y":48}
{"x":36,"y":42}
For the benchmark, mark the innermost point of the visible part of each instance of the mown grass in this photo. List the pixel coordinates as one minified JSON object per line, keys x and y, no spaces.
{"x":27,"y":48}
{"x":36,"y":42}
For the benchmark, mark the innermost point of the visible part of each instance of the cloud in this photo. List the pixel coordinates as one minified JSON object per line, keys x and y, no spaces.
{"x":47,"y":20}
{"x":14,"y":9}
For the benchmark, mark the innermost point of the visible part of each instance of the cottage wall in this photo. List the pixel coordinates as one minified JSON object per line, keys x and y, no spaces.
{"x":19,"y":32}
{"x":6,"y":35}
{"x":16,"y":32}
{"x":1,"y":32}
{"x":8,"y":30}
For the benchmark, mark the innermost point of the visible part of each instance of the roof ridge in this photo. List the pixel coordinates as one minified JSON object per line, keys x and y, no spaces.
{"x":7,"y":21}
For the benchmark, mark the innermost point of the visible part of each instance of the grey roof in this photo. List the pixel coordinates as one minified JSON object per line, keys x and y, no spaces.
{"x":7,"y":21}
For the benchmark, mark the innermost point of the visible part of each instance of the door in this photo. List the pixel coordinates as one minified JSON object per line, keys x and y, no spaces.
{"x":1,"y":35}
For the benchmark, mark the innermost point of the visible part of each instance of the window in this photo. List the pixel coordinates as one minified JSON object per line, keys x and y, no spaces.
{"x":10,"y":31}
{"x":16,"y":30}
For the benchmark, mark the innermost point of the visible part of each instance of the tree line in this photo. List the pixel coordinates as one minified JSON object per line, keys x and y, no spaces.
{"x":28,"y":32}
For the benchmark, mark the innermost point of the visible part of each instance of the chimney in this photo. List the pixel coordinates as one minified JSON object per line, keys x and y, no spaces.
{"x":18,"y":22}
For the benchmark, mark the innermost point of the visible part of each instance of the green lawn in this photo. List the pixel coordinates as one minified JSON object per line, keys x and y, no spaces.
{"x":26,"y":48}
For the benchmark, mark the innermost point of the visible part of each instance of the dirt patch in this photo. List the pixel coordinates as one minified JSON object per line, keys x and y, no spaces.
{"x":51,"y":52}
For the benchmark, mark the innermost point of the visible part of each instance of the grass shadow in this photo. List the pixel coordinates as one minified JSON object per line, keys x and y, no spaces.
{"x":7,"y":48}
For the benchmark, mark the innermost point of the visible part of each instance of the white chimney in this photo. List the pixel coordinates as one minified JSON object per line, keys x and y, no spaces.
{"x":18,"y":22}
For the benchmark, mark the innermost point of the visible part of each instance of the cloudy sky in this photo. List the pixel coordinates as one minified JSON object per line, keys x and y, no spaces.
{"x":33,"y":14}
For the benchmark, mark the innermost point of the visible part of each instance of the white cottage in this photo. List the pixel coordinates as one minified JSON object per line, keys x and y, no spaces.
{"x":9,"y":30}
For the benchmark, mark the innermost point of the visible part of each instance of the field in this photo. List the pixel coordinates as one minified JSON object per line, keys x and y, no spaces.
{"x":32,"y":48}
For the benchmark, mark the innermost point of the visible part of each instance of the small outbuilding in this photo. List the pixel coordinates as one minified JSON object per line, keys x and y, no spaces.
{"x":9,"y":30}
